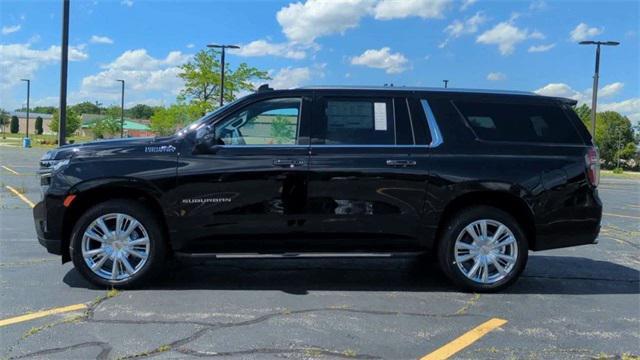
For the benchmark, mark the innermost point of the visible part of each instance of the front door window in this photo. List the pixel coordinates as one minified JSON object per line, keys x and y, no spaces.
{"x":264,"y":123}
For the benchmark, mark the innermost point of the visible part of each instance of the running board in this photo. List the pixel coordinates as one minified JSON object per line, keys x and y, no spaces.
{"x":294,"y":255}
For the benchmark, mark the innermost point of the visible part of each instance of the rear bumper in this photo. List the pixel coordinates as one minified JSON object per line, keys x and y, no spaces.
{"x":46,"y":238}
{"x":577,"y":225}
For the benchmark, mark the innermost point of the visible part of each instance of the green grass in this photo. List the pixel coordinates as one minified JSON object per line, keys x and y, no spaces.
{"x":624,"y":175}
{"x":36,"y":140}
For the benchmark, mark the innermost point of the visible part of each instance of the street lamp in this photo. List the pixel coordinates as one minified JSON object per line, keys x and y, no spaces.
{"x":223,"y":47}
{"x":26,"y":144}
{"x":122,"y":110}
{"x":594,"y":95}
{"x":445,"y":83}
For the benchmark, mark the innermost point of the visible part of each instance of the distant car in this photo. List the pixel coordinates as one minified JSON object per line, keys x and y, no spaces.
{"x":477,"y":178}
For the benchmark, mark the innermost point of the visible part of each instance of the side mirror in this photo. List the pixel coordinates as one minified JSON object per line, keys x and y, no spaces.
{"x":205,"y":139}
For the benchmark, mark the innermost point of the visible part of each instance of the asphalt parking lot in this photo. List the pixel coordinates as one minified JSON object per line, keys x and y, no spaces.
{"x":575,"y":303}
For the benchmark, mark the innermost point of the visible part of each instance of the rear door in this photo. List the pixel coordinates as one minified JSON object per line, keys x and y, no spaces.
{"x":362,"y":194}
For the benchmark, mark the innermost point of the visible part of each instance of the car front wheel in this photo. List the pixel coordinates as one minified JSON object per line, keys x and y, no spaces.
{"x":118,"y":243}
{"x":483,"y":249}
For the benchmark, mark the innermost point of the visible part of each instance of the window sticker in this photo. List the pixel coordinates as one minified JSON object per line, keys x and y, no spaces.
{"x":380,"y":116}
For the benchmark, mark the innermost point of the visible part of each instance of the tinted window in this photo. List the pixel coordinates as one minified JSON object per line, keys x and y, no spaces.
{"x":269,"y":122}
{"x":518,"y":122}
{"x":356,"y":122}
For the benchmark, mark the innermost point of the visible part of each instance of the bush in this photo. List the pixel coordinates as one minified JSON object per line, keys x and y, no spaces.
{"x":15,"y":125}
{"x":39,"y":129}
{"x":618,"y":170}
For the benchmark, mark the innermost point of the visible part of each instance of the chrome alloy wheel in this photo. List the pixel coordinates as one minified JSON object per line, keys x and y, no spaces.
{"x":115,"y":246}
{"x":486,"y":251}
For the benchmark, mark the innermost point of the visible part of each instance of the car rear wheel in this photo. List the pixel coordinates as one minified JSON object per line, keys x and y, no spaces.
{"x":483,"y":249}
{"x":118,"y":243}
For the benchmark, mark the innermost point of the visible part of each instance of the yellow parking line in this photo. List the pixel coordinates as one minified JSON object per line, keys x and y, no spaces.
{"x":464,"y":340}
{"x":10,"y":170}
{"x":619,"y":215}
{"x":40,"y":314}
{"x":21,"y":196}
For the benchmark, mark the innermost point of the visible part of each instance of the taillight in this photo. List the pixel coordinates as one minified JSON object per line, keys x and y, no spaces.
{"x":592,"y":160}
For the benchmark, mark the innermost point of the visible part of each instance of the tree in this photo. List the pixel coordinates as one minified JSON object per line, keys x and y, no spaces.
{"x":106,"y":126}
{"x":282,"y":130}
{"x":74,"y":121}
{"x":39,"y":129}
{"x":39,"y":109}
{"x":87,"y":107}
{"x":165,"y":121}
{"x":613,"y":132}
{"x":141,"y":111}
{"x":4,"y":119}
{"x":15,"y":125}
{"x":584,"y":113}
{"x":202,"y":79}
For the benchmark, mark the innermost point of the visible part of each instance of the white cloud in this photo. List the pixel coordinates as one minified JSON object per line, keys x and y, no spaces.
{"x":458,"y":28}
{"x":289,"y":77}
{"x":145,"y":77}
{"x":392,"y":63}
{"x":10,"y":29}
{"x":541,"y":48}
{"x":496,"y":76}
{"x":506,"y":36}
{"x":128,"y":3}
{"x":303,"y":23}
{"x":584,"y":32}
{"x":139,"y":59}
{"x":264,"y":48}
{"x":466,"y":4}
{"x":96,"y":39}
{"x":561,"y":90}
{"x":21,"y":61}
{"x":537,"y":5}
{"x":610,"y":89}
{"x":426,"y":9}
{"x":564,"y":90}
{"x":190,"y":46}
{"x":629,"y":108}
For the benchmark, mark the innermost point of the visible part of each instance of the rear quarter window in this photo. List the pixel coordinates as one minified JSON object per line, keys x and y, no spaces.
{"x":494,"y":121}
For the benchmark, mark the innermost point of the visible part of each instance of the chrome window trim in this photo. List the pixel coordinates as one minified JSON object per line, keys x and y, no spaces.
{"x":436,"y":135}
{"x":413,"y":133}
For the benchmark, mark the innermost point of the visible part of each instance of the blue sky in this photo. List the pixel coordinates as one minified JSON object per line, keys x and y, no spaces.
{"x":521,"y":45}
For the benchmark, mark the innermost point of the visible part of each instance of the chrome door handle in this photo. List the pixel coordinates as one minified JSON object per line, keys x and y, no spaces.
{"x":290,"y":163}
{"x":401,"y":163}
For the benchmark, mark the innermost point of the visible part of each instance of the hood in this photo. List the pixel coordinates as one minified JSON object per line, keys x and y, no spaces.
{"x":112,"y":146}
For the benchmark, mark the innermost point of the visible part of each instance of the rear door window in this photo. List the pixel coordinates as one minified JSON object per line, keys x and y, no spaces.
{"x":355,"y":121}
{"x":519,"y":122}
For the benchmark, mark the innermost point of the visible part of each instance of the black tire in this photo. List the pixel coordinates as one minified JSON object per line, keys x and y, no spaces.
{"x":157,"y":243}
{"x":454,"y":228}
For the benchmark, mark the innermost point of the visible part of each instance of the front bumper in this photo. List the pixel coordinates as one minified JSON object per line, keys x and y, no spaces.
{"x":46,"y":238}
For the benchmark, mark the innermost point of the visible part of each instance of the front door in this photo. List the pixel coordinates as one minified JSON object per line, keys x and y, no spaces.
{"x":253,"y":182}
{"x":363,"y":192}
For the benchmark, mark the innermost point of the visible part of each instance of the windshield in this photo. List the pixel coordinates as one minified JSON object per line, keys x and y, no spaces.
{"x":194,"y":125}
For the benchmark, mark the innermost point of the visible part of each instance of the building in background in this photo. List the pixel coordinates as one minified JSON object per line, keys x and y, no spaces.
{"x":132,"y":128}
{"x":22,"y":120}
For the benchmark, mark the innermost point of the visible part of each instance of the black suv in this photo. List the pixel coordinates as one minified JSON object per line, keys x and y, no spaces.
{"x":476,"y":178}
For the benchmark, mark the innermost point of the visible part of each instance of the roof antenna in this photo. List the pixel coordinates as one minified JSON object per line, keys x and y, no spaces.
{"x":264,"y":87}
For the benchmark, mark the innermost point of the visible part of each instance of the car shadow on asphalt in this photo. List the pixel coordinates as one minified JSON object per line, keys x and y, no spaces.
{"x":543,"y":275}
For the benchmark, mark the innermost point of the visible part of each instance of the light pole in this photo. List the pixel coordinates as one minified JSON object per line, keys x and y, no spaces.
{"x":596,"y":76}
{"x":445,"y":83}
{"x":64,"y":62}
{"x":28,"y":96}
{"x":122,"y":110}
{"x":223,"y":47}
